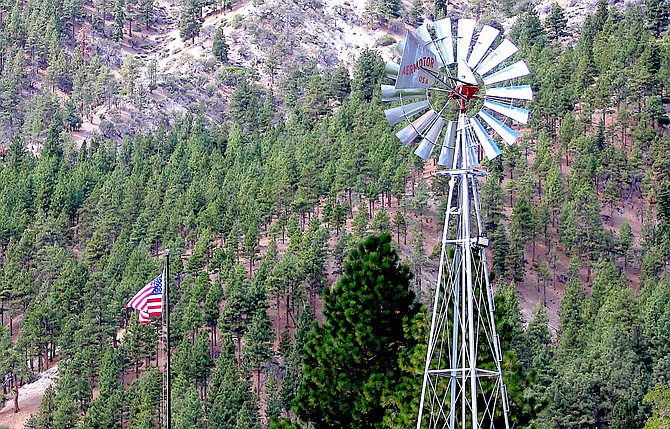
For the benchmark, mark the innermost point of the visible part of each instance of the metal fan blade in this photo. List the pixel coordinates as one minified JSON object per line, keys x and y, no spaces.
{"x":400,"y":47}
{"x":391,"y":69}
{"x":389,"y":93}
{"x":465,"y":74}
{"x":516,"y":113}
{"x":428,"y":142}
{"x":412,"y":131}
{"x":505,"y":50}
{"x":518,"y":69}
{"x":445,"y":41}
{"x":416,"y":59}
{"x":519,"y":92}
{"x":448,"y":146}
{"x":491,"y":149}
{"x":484,"y":41}
{"x":507,"y":134}
{"x":424,"y":35}
{"x":398,"y":114}
{"x":472,"y":157}
{"x":466,"y":27}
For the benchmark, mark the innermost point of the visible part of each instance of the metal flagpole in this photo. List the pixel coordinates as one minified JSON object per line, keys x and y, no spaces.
{"x":167,"y":410}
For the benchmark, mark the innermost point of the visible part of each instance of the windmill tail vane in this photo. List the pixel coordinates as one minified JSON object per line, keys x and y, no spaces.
{"x":456,"y":87}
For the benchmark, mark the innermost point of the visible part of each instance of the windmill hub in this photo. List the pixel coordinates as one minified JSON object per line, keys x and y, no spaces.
{"x":465,"y":91}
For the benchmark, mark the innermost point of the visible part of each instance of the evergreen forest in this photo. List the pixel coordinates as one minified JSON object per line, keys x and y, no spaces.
{"x":302,"y":233}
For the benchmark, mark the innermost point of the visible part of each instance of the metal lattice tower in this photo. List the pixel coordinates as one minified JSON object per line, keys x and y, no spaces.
{"x":453,"y":73}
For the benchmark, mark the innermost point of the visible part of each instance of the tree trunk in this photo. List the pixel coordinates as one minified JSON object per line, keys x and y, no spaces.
{"x":278,"y":317}
{"x":288,"y":303}
{"x":16,"y":393}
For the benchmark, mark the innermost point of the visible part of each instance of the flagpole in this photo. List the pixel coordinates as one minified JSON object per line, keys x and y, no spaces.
{"x":166,"y":315}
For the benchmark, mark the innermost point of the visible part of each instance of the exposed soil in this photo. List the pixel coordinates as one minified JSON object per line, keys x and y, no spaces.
{"x":30,"y":396}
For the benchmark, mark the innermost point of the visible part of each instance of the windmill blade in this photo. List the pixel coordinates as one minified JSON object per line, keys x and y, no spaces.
{"x":473,"y":158}
{"x":466,"y":27}
{"x":505,"y":50}
{"x":516,"y":113}
{"x":518,"y":69}
{"x":484,"y":41}
{"x":412,"y":131}
{"x":445,"y":41}
{"x":398,"y":114}
{"x":389,"y":93}
{"x":391,"y":69}
{"x":448,"y":146}
{"x":518,"y":92}
{"x":428,"y":142}
{"x":491,"y":149}
{"x":505,"y":132}
{"x":423,"y":34}
{"x":400,"y":47}
{"x":465,"y":74}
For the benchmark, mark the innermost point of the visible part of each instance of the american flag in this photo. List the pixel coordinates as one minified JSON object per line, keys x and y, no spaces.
{"x":149,"y":300}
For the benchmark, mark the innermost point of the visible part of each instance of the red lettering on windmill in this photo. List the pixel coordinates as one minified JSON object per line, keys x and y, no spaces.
{"x":421,"y":63}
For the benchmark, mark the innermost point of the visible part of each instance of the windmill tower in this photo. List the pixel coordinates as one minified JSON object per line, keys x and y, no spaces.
{"x":459,"y":77}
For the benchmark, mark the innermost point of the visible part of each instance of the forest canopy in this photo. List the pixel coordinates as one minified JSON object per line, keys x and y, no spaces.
{"x":262,"y":198}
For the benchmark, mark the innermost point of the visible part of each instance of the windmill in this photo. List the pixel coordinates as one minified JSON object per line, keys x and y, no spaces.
{"x":455,"y":84}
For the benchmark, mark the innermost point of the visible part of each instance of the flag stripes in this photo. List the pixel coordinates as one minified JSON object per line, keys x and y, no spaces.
{"x":149,"y":300}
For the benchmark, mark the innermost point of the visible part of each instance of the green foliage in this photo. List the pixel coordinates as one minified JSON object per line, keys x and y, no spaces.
{"x":228,"y":392}
{"x":363,"y":315}
{"x":220,"y":46}
{"x":367,"y":74}
{"x":659,"y":398}
{"x":556,"y":23}
{"x":80,"y":226}
{"x":119,"y":19}
{"x":440,"y":9}
{"x":190,"y":21}
{"x":658,"y":15}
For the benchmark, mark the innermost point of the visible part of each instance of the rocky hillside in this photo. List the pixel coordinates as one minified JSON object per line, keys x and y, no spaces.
{"x":270,"y":39}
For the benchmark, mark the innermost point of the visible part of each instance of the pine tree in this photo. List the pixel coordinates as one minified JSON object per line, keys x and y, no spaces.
{"x":191,"y":21}
{"x":658,"y":15}
{"x":572,"y":321}
{"x":416,"y":13}
{"x":119,"y":19}
{"x":528,"y":31}
{"x":440,"y":9}
{"x":556,"y":23}
{"x":233,"y":318}
{"x":257,"y":349}
{"x":227,"y":391}
{"x":341,"y":83}
{"x":211,"y":311}
{"x":219,"y":46}
{"x":146,"y":9}
{"x":368,"y":72}
{"x":187,"y":410}
{"x":351,"y":361}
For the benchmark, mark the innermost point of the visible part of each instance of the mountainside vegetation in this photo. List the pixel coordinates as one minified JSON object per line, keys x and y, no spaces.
{"x":266,"y":191}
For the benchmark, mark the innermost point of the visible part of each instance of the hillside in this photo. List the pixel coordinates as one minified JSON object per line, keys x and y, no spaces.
{"x":262,"y":163}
